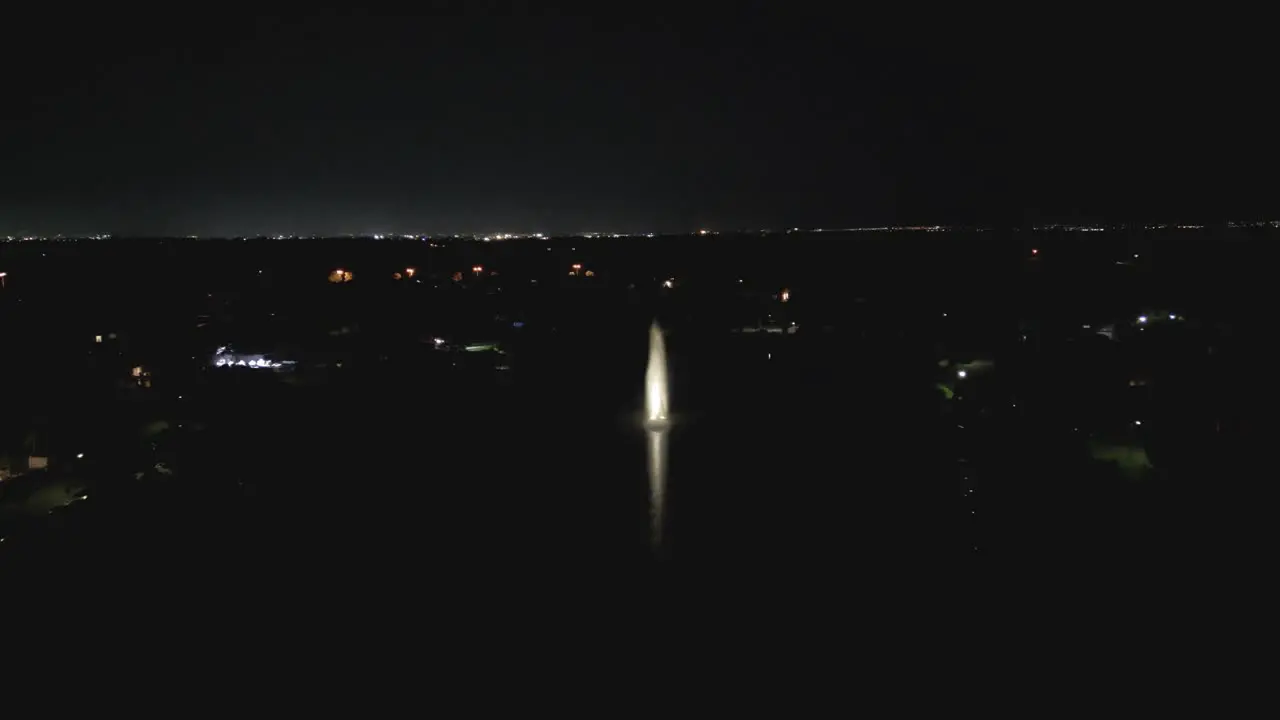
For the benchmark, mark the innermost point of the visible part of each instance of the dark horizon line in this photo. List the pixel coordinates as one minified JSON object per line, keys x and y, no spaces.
{"x":706,"y":232}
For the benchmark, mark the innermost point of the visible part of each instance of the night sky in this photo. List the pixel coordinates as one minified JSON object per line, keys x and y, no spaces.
{"x":490,"y":120}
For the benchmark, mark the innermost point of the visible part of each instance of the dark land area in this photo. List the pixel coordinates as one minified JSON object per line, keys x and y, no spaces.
{"x":841,"y":402}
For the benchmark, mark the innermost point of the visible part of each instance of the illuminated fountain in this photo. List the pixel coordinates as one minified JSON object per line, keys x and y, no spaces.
{"x":656,"y":425}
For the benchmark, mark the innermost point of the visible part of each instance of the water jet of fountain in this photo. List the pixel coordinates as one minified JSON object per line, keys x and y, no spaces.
{"x":656,"y":426}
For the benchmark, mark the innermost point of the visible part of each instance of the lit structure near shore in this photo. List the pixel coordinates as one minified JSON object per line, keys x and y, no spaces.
{"x":656,"y":423}
{"x":225,"y":357}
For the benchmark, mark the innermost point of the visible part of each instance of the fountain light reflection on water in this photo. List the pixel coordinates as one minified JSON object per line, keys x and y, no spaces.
{"x":656,"y":426}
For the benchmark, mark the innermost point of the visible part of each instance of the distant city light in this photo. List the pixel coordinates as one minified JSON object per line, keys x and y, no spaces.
{"x":410,"y":271}
{"x":668,"y":284}
{"x":1173,"y":317}
{"x":79,"y":455}
{"x":962,"y":374}
{"x":1142,"y":318}
{"x":785,"y":295}
{"x":477,"y":269}
{"x":1137,"y":422}
{"x":1035,"y":251}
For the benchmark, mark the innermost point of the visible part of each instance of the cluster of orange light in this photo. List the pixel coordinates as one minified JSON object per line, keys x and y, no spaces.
{"x":340,"y":276}
{"x":785,"y":295}
{"x":477,"y":269}
{"x":408,"y":272}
